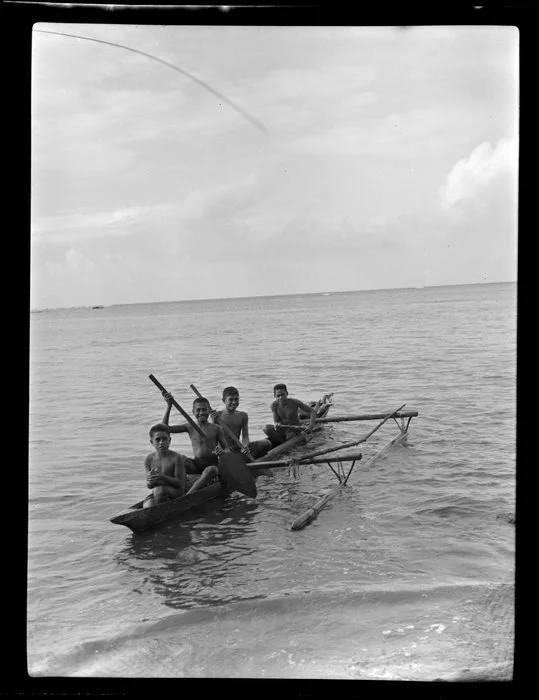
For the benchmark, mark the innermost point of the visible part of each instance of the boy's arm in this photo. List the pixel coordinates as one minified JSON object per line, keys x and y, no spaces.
{"x":245,"y":430}
{"x":167,"y":413}
{"x":215,"y":415}
{"x":180,"y":471}
{"x":276,"y":416}
{"x":177,"y":481}
{"x":181,"y":428}
{"x":148,"y":463}
{"x":150,"y":478}
{"x":304,"y":407}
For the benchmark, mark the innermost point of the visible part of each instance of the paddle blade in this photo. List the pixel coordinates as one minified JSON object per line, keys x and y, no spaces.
{"x":236,"y":474}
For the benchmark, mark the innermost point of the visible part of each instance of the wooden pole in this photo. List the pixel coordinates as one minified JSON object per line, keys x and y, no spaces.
{"x":310,"y":514}
{"x":352,"y":443}
{"x":366,"y":416}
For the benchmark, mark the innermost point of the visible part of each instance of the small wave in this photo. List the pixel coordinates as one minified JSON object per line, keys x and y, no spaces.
{"x":225,"y":640}
{"x":476,"y":502}
{"x":64,"y":498}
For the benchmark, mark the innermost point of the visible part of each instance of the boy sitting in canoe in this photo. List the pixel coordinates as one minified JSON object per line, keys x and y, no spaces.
{"x":238,"y":422}
{"x":205,"y":458}
{"x":285,"y":411}
{"x":165,"y":469}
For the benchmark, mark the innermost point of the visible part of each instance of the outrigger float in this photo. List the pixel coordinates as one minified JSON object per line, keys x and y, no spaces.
{"x":137,"y":518}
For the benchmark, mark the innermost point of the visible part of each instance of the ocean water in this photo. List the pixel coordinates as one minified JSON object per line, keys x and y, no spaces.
{"x":407,"y":574}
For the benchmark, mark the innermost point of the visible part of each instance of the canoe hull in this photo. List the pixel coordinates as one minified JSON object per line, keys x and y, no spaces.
{"x":138,"y":518}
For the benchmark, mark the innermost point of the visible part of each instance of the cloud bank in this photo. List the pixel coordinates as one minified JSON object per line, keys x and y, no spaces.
{"x":484,"y":173}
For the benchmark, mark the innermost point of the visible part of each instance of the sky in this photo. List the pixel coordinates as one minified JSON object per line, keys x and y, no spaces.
{"x":272,"y":160}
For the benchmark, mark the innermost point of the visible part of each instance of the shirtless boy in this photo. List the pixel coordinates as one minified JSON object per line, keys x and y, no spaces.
{"x":165,"y":469}
{"x":238,"y":422}
{"x":205,"y":457}
{"x":285,"y":411}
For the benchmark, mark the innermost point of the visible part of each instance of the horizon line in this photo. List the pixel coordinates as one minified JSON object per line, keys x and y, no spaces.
{"x":261,"y":296}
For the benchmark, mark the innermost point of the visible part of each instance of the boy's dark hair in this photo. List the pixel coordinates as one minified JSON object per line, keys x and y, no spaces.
{"x":280,"y":386}
{"x":158,"y":427}
{"x":200,"y":399}
{"x":230,"y":391}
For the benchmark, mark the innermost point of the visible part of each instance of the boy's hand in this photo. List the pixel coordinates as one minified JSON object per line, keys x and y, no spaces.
{"x":245,"y":450}
{"x":214,"y":416}
{"x":276,"y":426}
{"x":218,"y":450}
{"x":167,"y":396}
{"x":153,"y":480}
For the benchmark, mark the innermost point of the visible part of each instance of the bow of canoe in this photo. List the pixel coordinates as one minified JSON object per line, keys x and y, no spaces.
{"x":138,"y":518}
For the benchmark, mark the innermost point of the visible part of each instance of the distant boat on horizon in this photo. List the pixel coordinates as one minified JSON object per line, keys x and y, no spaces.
{"x":97,"y":307}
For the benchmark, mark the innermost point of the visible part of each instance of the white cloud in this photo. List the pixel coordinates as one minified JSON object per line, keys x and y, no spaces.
{"x":82,"y":224}
{"x":475,"y":175}
{"x":143,"y":183}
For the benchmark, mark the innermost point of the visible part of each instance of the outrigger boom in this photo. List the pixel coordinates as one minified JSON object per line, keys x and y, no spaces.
{"x":281,"y":463}
{"x":367,"y":416}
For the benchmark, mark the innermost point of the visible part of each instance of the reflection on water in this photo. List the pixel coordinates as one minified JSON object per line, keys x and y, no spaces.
{"x":189,"y":562}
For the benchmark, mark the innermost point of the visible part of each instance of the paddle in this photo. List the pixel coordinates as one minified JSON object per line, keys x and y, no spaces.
{"x":226,"y":429}
{"x":232,"y":468}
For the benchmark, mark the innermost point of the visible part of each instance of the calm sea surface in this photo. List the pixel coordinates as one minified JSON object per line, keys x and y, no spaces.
{"x":407,"y":574}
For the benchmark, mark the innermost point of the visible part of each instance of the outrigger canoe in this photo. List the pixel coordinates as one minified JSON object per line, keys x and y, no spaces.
{"x":137,"y":518}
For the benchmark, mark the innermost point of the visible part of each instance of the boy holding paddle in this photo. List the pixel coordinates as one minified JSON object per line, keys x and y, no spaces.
{"x":208,"y":446}
{"x":165,"y":469}
{"x":204,"y":458}
{"x":238,"y":422}
{"x":285,"y":411}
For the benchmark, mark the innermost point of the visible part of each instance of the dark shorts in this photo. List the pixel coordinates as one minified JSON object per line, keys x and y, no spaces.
{"x":280,"y":435}
{"x":258,"y":448}
{"x":196,"y":465}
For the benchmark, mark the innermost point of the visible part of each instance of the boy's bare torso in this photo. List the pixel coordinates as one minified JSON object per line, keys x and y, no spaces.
{"x":287,"y":411}
{"x":235,"y":421}
{"x":165,"y":464}
{"x":201,"y":449}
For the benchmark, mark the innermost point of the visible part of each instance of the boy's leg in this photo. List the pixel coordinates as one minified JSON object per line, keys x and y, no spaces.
{"x":165,"y":493}
{"x":258,"y":448}
{"x":276,"y":437}
{"x":149,"y":501}
{"x":207,"y":475}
